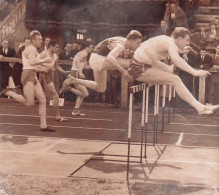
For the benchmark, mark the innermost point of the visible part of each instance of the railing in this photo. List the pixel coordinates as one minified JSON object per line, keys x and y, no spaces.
{"x":124,"y":83}
{"x":9,"y":25}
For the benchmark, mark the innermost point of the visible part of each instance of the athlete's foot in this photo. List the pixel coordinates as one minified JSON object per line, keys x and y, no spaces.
{"x":66,"y":86}
{"x":61,"y":119}
{"x":211,"y":107}
{"x":4,"y":92}
{"x":76,"y":112}
{"x":47,"y":129}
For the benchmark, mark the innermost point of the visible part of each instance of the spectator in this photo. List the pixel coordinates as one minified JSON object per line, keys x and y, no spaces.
{"x":45,"y":44}
{"x":162,"y":30}
{"x":74,"y":49}
{"x":212,"y":35}
{"x":66,"y":54}
{"x":175,"y":16}
{"x":17,"y":68}
{"x":201,"y":37}
{"x":214,"y":80}
{"x":5,"y":67}
{"x":204,"y":61}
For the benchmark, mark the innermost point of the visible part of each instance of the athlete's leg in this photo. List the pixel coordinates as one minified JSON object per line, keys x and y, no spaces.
{"x":51,"y":91}
{"x":98,"y":85}
{"x":161,"y":77}
{"x":28,"y":98}
{"x":42,"y":104}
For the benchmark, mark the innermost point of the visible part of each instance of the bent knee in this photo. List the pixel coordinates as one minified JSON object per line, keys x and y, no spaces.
{"x":85,"y":94}
{"x":42,"y":100}
{"x":177,"y":79}
{"x":29,"y":103}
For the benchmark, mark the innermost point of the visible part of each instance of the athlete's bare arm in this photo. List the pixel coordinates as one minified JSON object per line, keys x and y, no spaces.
{"x":30,"y":54}
{"x":180,"y":62}
{"x":114,"y":53}
{"x":81,"y":56}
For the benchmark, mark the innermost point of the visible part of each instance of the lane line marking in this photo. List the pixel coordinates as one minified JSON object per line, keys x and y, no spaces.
{"x":105,"y":157}
{"x":37,"y":116}
{"x":50,"y":146}
{"x":190,"y":124}
{"x":198,"y":134}
{"x":178,"y":143}
{"x":69,"y":127}
{"x":114,"y":142}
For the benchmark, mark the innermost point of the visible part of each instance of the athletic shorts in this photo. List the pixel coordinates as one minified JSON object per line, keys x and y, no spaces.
{"x":137,"y":68}
{"x":28,"y":75}
{"x":46,"y":77}
{"x":96,"y":61}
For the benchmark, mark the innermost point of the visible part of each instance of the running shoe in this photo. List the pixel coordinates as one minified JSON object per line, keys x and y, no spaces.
{"x":61,"y":119}
{"x":47,"y":129}
{"x":77,"y":113}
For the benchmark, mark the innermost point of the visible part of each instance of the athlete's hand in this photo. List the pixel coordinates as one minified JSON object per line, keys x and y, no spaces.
{"x":202,"y":73}
{"x":127,"y":76}
{"x":81,"y":75}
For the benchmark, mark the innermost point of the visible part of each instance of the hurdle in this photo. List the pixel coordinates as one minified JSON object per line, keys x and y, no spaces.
{"x":144,"y":118}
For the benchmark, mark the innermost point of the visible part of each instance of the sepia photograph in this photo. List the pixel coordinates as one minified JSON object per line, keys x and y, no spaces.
{"x":109,"y":97}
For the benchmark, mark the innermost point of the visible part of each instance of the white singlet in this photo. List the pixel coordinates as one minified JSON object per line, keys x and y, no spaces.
{"x":25,"y":56}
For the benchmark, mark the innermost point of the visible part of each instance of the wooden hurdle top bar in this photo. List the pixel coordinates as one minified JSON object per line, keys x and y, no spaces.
{"x":137,"y":88}
{"x":19,"y":60}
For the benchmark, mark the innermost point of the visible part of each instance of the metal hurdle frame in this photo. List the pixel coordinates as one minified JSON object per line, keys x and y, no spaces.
{"x":144,"y":118}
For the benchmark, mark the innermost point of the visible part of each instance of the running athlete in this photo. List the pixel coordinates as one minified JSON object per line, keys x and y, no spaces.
{"x":80,"y":60}
{"x":46,"y":77}
{"x":31,"y":86}
{"x":106,"y":57}
{"x":147,"y":65}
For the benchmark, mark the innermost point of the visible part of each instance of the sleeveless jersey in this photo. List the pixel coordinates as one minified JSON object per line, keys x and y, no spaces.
{"x":103,"y":47}
{"x":25,"y":56}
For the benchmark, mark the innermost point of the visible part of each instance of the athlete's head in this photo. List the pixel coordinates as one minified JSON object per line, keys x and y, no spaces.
{"x":53,"y":46}
{"x":181,"y":36}
{"x":36,"y":38}
{"x":134,"y":39}
{"x":89,"y":46}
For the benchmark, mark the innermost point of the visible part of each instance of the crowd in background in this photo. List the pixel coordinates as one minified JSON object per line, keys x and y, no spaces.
{"x":206,"y":37}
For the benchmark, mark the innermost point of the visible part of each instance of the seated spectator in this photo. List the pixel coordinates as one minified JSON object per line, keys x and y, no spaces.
{"x":214,"y":80}
{"x":5,"y":67}
{"x":200,"y":38}
{"x":74,"y":50}
{"x":162,"y":30}
{"x":216,"y":21}
{"x":212,"y":35}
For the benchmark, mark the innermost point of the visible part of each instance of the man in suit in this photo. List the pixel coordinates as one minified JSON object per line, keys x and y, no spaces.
{"x":66,"y":54}
{"x":212,"y":36}
{"x":5,"y":67}
{"x":204,"y":62}
{"x":162,"y":30}
{"x":201,"y":37}
{"x":214,"y":80}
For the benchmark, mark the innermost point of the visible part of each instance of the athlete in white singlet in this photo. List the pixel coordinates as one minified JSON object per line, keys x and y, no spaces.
{"x":106,"y":57}
{"x":31,"y":86}
{"x":147,"y":65}
{"x":46,"y":77}
{"x":80,"y":60}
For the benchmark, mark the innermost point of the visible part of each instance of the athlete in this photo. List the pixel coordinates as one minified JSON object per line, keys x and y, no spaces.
{"x":46,"y":77}
{"x":79,"y":62}
{"x":106,"y":57}
{"x":147,"y":65}
{"x":31,"y":86}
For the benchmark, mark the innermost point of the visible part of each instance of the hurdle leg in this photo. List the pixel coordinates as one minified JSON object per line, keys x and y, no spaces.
{"x":169,"y":99}
{"x":163,"y":107}
{"x":142,"y":120}
{"x":129,"y":132}
{"x":146,"y":120}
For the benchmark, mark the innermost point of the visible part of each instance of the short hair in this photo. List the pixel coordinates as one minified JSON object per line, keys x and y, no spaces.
{"x":181,"y":32}
{"x":52,"y":43}
{"x":26,"y":38}
{"x":88,"y":43}
{"x":203,"y":49}
{"x":134,"y":34}
{"x":33,"y":34}
{"x":212,"y":23}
